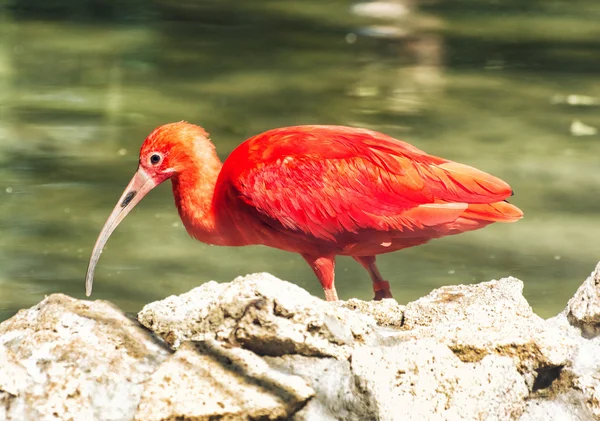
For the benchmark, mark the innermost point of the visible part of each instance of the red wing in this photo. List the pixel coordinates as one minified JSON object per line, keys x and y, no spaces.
{"x":355,"y":180}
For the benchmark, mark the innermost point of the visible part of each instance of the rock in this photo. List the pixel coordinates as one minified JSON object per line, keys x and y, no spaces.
{"x":337,"y":395}
{"x":261,"y":348}
{"x":583,"y":310}
{"x":67,"y":359}
{"x":423,"y":379}
{"x":580,"y":321}
{"x":260,"y":313}
{"x":13,"y":376}
{"x":481,"y":303}
{"x":409,"y":380}
{"x":386,"y":312}
{"x":13,"y":382}
{"x":585,"y":371}
{"x":489,"y":318}
{"x":206,"y":381}
{"x":568,"y":406}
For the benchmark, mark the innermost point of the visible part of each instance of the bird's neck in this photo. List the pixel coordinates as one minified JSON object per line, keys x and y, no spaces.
{"x":193,"y":189}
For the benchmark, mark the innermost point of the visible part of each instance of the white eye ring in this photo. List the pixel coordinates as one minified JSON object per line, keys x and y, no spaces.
{"x":155,"y":158}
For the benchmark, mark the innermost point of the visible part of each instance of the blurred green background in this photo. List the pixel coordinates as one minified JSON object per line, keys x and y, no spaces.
{"x":510,"y":87}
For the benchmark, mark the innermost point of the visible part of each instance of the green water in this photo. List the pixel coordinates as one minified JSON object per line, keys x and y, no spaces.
{"x":511,"y":89}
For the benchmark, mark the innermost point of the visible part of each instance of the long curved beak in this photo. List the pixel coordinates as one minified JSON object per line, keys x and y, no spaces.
{"x":138,"y":187}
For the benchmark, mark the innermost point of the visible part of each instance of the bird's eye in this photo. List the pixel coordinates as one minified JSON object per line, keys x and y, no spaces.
{"x":155,"y":158}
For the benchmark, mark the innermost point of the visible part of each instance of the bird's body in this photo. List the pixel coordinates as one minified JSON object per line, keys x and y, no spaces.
{"x":322,"y":191}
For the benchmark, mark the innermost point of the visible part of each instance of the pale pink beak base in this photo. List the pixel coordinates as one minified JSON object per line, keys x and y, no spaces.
{"x":138,"y":187}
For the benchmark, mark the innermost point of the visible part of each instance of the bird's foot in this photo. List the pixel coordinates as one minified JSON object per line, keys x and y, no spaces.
{"x":382,"y":290}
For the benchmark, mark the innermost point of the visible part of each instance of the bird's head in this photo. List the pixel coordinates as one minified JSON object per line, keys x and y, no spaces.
{"x":165,"y":153}
{"x":172,"y":148}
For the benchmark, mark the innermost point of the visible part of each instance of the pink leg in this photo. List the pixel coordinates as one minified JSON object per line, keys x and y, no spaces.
{"x":324,"y":268}
{"x":381,"y":287}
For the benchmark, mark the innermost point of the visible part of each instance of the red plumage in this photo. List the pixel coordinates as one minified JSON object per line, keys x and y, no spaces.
{"x":323,"y":191}
{"x":346,"y":191}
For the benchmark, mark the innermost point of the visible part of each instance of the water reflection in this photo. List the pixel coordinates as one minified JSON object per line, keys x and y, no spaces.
{"x":493,"y":85}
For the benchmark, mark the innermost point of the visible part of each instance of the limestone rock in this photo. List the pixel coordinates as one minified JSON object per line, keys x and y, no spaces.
{"x":207,"y":381}
{"x":66,"y":359}
{"x":13,"y":382}
{"x":260,"y":313}
{"x":454,"y":303}
{"x":585,"y":370}
{"x":489,"y":318}
{"x":567,"y":406}
{"x":337,"y":395}
{"x":424,"y":380}
{"x":583,"y":310}
{"x":386,"y":312}
{"x":261,"y":348}
{"x":13,"y":376}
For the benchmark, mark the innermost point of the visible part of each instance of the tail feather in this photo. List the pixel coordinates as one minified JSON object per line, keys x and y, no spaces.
{"x":463,"y":183}
{"x":477,"y":216}
{"x":493,"y":212}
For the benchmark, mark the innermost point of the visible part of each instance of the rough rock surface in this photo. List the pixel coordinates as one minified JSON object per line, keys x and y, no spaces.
{"x":338,"y":396}
{"x":584,"y":371}
{"x":583,"y":310}
{"x":67,"y":359}
{"x":580,"y":391}
{"x":423,"y":379}
{"x":489,"y":318}
{"x":386,"y":312}
{"x":206,"y":381}
{"x":261,"y":348}
{"x":567,"y":407}
{"x":261,"y":313}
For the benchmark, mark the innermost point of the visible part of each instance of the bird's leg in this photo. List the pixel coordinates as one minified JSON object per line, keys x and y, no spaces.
{"x":324,"y":269}
{"x":381,"y":287}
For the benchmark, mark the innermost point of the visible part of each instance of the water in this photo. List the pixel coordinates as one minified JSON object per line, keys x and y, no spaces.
{"x":508,"y":88}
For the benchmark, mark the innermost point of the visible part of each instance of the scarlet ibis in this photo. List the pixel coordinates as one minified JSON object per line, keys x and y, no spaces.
{"x":320,"y":191}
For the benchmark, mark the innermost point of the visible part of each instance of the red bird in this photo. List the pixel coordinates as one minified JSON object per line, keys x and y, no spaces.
{"x":321,"y":191}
